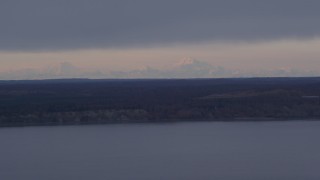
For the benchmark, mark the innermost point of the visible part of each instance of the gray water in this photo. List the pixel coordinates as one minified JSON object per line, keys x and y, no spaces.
{"x":178,"y":151}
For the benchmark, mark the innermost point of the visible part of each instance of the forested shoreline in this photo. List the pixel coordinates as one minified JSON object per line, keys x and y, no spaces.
{"x":82,"y":101}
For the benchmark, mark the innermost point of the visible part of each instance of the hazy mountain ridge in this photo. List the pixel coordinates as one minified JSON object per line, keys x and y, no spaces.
{"x":186,"y":68}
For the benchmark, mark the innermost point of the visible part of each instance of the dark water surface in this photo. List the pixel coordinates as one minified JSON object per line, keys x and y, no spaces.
{"x":179,"y":151}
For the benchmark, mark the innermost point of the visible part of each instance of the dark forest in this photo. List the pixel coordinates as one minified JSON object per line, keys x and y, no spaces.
{"x":83,"y":101}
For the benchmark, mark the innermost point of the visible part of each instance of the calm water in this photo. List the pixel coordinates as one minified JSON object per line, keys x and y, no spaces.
{"x":181,"y":151}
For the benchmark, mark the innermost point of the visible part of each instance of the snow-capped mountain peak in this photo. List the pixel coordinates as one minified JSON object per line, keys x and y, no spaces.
{"x":187,"y":61}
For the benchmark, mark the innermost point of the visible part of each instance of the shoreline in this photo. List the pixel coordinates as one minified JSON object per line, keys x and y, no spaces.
{"x":168,"y":121}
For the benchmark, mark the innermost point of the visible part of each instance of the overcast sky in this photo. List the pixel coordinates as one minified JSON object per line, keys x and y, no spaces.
{"x":128,"y":34}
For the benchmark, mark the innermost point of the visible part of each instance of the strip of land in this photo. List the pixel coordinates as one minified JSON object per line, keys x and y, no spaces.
{"x":83,"y":101}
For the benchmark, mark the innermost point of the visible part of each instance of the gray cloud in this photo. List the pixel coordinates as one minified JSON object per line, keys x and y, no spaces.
{"x":71,"y":24}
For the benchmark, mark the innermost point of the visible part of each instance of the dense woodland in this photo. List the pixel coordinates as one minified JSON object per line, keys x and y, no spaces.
{"x":78,"y":101}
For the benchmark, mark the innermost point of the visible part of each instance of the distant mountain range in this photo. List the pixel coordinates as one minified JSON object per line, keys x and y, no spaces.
{"x":186,"y":68}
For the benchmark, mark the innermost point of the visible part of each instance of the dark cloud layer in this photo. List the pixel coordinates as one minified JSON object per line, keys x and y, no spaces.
{"x":71,"y":24}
